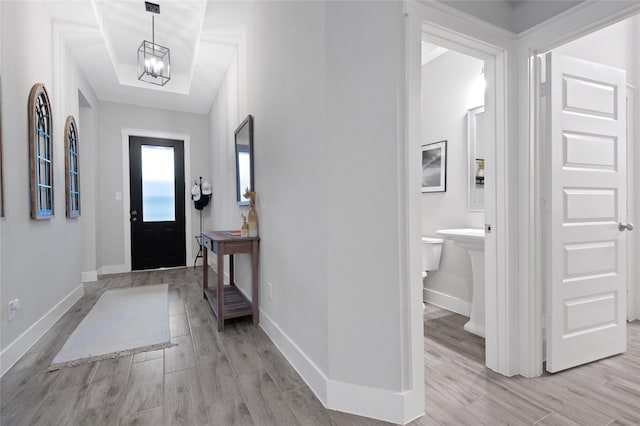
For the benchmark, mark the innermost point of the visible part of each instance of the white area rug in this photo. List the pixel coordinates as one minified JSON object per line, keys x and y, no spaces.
{"x":122,"y":322}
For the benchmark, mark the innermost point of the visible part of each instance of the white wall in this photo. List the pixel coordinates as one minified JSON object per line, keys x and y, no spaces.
{"x":449,"y":89}
{"x":88,"y":124}
{"x":636,"y":37}
{"x":327,"y":126}
{"x":113,"y":118}
{"x":41,"y":260}
{"x":288,"y":107}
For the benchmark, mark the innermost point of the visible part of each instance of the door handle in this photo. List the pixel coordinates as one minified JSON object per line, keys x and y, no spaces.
{"x":627,"y":227}
{"x":133,"y":215}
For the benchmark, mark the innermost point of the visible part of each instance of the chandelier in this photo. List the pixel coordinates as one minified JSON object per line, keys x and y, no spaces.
{"x":154,"y":61}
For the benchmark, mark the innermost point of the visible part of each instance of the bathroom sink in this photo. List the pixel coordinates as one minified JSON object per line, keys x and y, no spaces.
{"x":469,"y":238}
{"x":472,"y":240}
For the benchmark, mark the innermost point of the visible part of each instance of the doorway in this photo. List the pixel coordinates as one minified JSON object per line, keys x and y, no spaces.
{"x":185,"y":199}
{"x":157,"y":212}
{"x":453,"y":121}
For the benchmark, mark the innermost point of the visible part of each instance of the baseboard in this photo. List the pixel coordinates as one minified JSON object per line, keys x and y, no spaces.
{"x":382,"y":404}
{"x":89,"y":276}
{"x":21,"y":345}
{"x":113,"y":269}
{"x":308,"y":370}
{"x":448,"y":302}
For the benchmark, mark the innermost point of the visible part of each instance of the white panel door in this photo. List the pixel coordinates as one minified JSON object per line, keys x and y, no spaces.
{"x":586,"y":288}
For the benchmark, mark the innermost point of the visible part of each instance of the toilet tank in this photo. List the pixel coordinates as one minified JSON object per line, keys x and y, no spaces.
{"x":431,"y":253}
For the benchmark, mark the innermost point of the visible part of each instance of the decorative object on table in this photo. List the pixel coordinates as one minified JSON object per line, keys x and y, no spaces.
{"x":123,"y":321}
{"x":234,"y":233}
{"x":244,"y":159}
{"x":479,"y":171}
{"x":253,"y":215}
{"x":41,"y":153}
{"x":244,"y":230}
{"x":434,"y":167}
{"x":200,"y":194}
{"x":71,"y":167}
{"x":154,"y":61}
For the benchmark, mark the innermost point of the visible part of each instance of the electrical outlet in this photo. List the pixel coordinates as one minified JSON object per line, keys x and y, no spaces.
{"x":14,"y":305}
{"x":270,"y":286}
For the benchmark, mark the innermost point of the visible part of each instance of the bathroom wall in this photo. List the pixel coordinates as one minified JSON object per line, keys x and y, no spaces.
{"x":449,"y":88}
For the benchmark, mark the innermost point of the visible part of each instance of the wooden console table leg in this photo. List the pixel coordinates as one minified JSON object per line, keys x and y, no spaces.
{"x":254,"y":281}
{"x":220,"y":286}
{"x":205,"y":271}
{"x":232,"y":271}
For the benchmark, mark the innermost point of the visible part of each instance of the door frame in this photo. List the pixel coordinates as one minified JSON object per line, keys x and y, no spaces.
{"x":126,"y":191}
{"x":437,"y":24}
{"x":580,"y":21}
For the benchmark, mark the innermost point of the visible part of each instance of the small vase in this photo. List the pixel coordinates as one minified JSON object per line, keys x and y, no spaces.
{"x":253,"y":221}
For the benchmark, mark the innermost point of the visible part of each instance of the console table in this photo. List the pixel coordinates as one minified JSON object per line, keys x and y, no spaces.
{"x":229,"y":302}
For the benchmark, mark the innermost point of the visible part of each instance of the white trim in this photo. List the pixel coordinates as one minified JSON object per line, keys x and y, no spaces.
{"x":334,"y":394}
{"x":577,"y":22}
{"x":126,"y":193}
{"x":308,"y":370}
{"x":89,"y":276}
{"x":382,"y":404}
{"x":114,"y":269}
{"x":632,"y":270}
{"x":12,"y":353}
{"x":448,"y":302}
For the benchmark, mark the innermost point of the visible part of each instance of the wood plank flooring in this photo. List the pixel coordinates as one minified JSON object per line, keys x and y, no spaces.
{"x":460,"y":390}
{"x":238,"y":377}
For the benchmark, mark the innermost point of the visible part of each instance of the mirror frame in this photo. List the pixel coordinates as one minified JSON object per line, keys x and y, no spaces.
{"x":245,"y":126}
{"x":472,"y":138}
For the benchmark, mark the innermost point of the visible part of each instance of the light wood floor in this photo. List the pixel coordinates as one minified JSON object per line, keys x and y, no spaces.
{"x":239,"y":377}
{"x":460,"y":390}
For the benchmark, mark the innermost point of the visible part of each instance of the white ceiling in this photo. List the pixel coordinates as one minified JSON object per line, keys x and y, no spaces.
{"x":513,"y":15}
{"x":431,"y":51}
{"x":103,"y":37}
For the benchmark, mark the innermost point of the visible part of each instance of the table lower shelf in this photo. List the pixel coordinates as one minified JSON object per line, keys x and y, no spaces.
{"x":235,"y":304}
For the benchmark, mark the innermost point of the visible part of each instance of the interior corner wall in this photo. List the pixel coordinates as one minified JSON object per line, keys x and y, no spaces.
{"x":113,"y":118}
{"x":87,"y":122}
{"x":324,"y":86}
{"x":41,"y":260}
{"x":448,"y":84}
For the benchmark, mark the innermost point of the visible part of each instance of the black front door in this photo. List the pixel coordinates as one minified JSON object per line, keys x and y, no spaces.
{"x":157,"y":213}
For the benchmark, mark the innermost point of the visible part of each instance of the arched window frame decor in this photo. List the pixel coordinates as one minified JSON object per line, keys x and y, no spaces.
{"x":41,"y":153}
{"x":72,"y":167}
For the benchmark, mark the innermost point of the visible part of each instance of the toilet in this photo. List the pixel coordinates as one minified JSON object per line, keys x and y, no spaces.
{"x":431,"y":253}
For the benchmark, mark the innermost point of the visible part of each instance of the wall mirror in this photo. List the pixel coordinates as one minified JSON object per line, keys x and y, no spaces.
{"x":475,"y":135}
{"x":244,"y":159}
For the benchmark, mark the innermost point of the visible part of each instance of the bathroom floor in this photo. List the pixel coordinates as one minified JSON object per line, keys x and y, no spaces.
{"x":460,"y":390}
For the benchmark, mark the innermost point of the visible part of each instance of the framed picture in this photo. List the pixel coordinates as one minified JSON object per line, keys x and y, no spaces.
{"x":479,"y":171}
{"x":434,"y":167}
